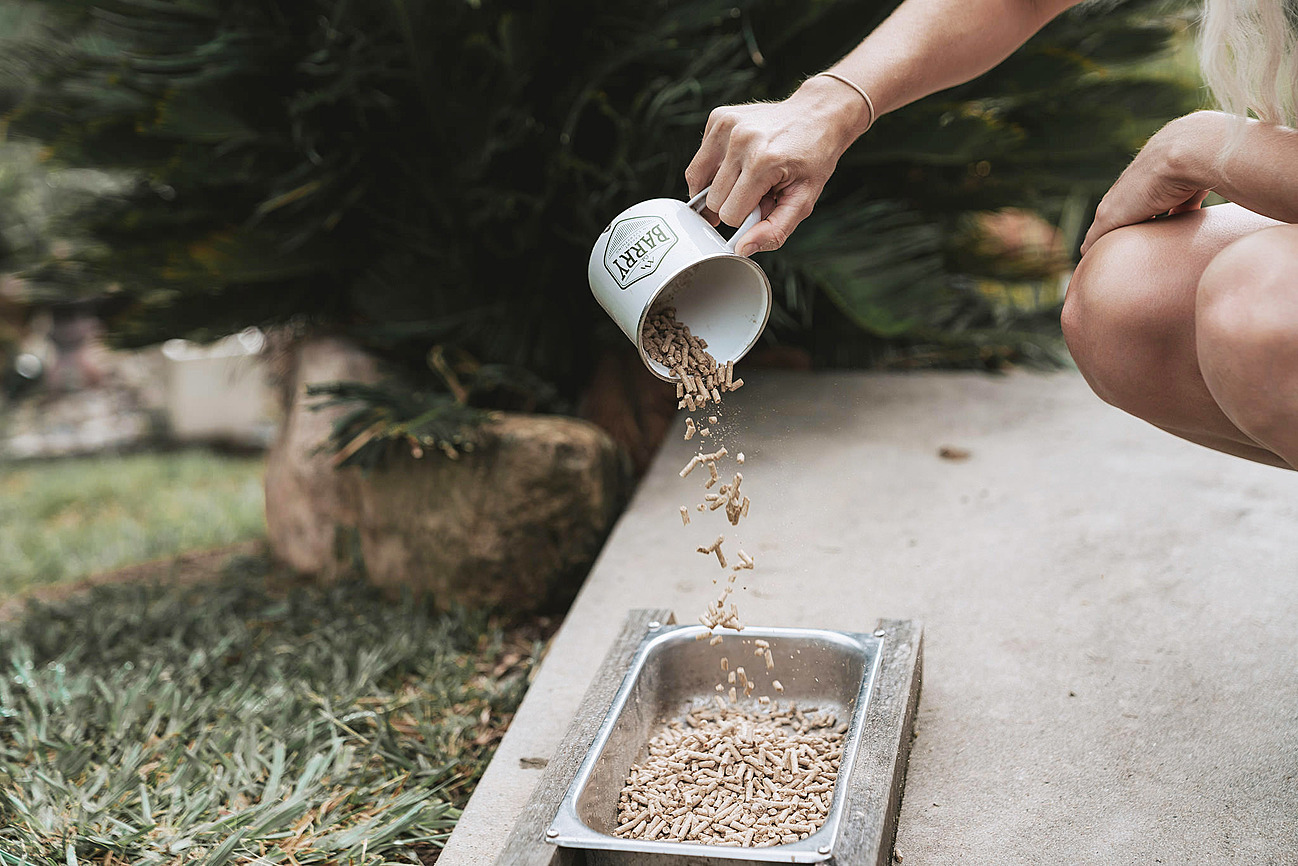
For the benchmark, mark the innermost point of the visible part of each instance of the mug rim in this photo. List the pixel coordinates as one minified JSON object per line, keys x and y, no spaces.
{"x":666,"y":281}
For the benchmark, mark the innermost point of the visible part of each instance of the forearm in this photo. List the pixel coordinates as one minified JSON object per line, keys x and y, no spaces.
{"x":1258,"y":171}
{"x":929,"y":45}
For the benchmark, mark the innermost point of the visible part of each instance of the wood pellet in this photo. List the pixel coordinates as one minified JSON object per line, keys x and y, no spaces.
{"x":671,"y":344}
{"x":726,"y":775}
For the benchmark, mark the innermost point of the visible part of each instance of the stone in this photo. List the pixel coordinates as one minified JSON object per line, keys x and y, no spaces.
{"x":307,"y":501}
{"x":519,"y":519}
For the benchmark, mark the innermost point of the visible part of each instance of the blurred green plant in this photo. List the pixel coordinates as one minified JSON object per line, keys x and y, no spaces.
{"x":70,"y":518}
{"x":432,"y":174}
{"x":247,"y":721}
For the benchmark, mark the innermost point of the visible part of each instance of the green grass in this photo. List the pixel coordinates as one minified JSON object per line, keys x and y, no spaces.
{"x":233,"y":722}
{"x":65,"y":519}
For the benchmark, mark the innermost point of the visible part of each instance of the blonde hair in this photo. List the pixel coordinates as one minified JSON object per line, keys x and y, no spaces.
{"x":1247,"y":52}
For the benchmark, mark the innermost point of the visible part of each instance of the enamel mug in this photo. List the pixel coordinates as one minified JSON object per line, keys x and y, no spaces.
{"x":662,"y":252}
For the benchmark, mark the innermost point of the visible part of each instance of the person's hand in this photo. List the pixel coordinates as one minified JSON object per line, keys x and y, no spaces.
{"x":777,"y":155}
{"x":1173,"y":173}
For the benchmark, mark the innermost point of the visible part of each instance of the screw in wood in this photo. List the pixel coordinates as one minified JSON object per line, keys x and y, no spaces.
{"x":655,"y":624}
{"x":552,"y":832}
{"x":878,"y":632}
{"x":823,"y":849}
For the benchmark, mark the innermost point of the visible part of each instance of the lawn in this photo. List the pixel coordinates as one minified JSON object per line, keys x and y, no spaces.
{"x":66,"y":519}
{"x":248,"y":718}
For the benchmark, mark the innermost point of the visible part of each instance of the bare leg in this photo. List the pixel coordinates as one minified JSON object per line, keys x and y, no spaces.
{"x":1246,"y":327}
{"x":1129,"y":319}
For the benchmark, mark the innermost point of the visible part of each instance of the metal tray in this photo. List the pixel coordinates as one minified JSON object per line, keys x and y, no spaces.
{"x":672,"y":671}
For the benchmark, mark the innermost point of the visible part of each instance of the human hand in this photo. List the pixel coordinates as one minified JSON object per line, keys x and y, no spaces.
{"x":778,"y":155}
{"x":1173,"y":173}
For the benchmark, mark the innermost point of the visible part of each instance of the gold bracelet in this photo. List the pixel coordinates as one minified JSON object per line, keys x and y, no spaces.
{"x":869,"y":103}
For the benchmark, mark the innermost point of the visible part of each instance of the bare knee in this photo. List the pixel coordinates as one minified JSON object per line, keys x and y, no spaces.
{"x":1122,"y":317}
{"x":1246,"y":329}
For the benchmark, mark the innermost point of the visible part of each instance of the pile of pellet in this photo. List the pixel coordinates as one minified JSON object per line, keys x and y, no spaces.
{"x":734,"y":777}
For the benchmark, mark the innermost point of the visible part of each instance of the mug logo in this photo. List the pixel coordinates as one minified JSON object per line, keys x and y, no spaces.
{"x":636,"y":248}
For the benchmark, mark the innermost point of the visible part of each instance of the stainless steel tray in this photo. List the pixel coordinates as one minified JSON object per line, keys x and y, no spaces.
{"x":672,"y":671}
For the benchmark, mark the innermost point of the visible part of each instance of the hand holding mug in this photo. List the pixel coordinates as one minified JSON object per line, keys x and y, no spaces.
{"x":775,"y":157}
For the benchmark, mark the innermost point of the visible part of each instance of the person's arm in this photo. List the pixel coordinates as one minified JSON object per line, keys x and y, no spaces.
{"x":929,"y":45}
{"x":1255,"y":166}
{"x":781,"y":154}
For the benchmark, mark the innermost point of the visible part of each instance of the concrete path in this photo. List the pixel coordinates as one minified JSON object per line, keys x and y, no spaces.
{"x":1111,"y":614}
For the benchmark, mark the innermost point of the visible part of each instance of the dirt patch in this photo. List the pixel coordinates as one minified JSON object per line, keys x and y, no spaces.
{"x":194,"y":567}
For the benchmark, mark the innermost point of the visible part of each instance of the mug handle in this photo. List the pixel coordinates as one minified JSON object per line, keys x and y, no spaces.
{"x":753,"y":218}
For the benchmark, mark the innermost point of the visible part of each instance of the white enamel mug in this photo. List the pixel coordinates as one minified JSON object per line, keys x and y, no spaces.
{"x":662,"y":252}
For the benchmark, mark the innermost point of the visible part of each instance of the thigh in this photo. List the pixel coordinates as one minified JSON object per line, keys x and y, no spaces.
{"x":1129,"y":318}
{"x":1247,"y":333}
